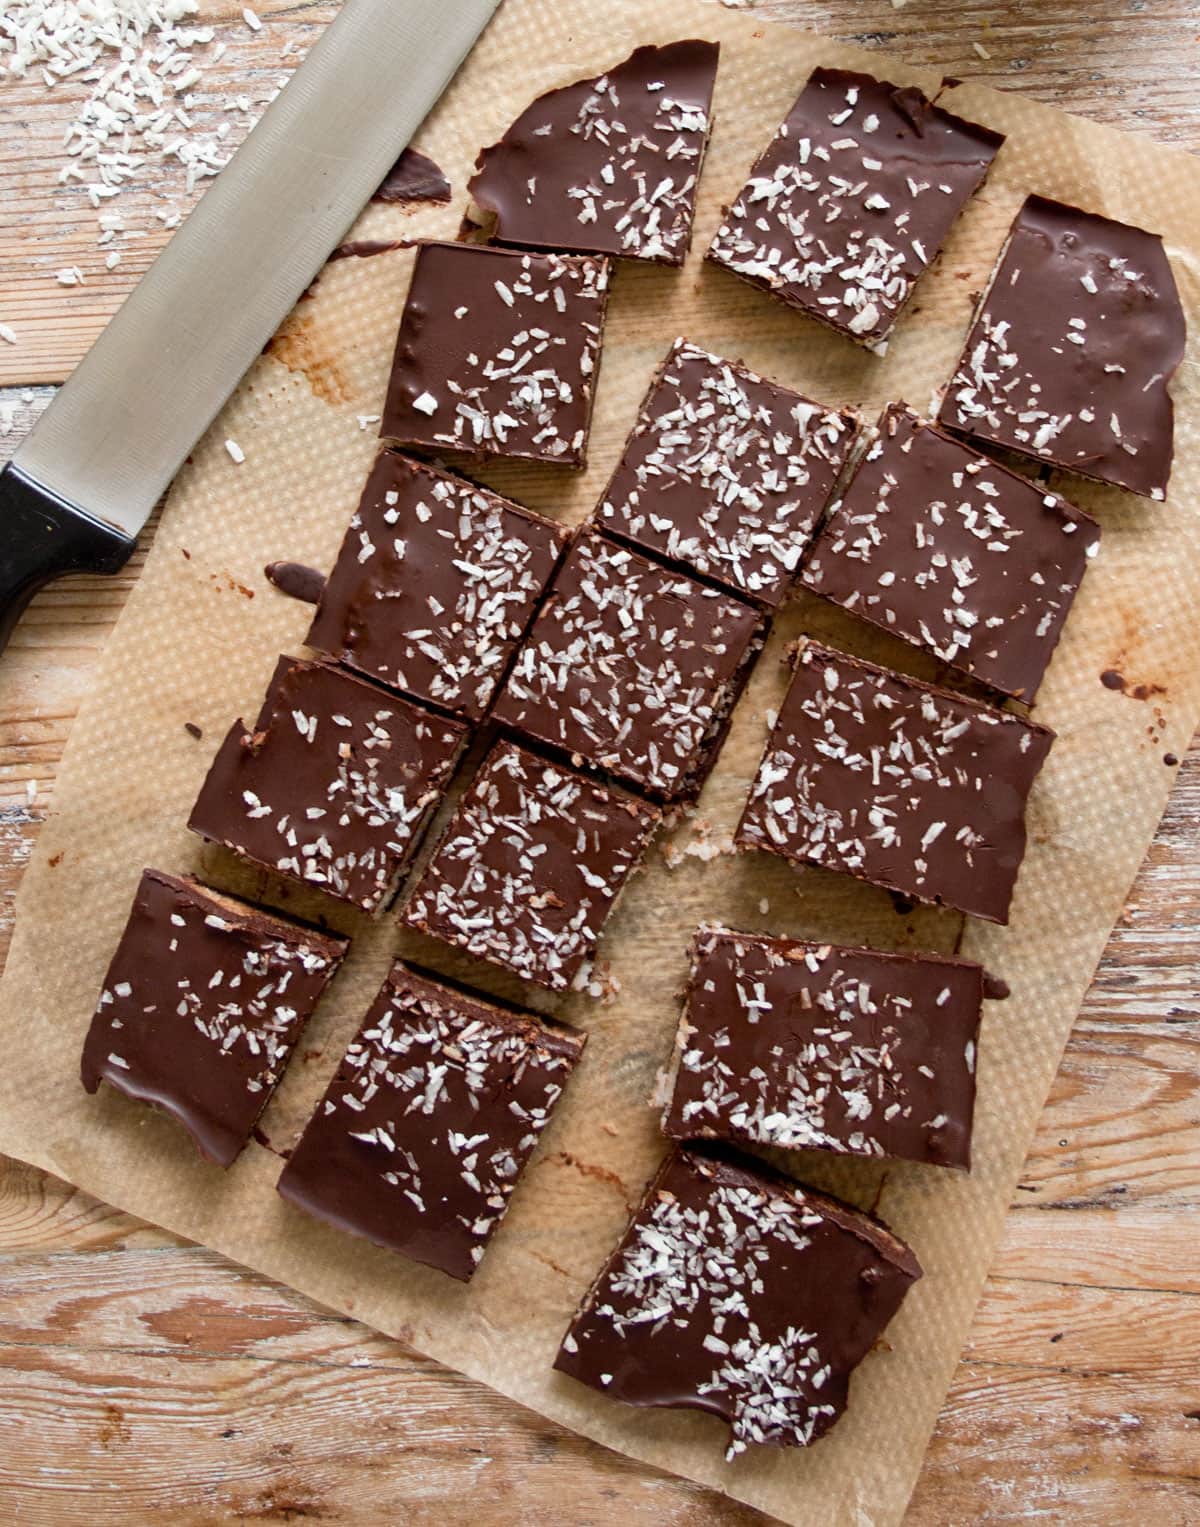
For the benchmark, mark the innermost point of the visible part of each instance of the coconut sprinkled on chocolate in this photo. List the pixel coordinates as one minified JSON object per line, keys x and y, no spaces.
{"x":426,"y":1127}
{"x":608,"y":164}
{"x":726,"y":472}
{"x":631,"y":668}
{"x":852,"y":200}
{"x":1075,"y":341}
{"x":955,"y":554}
{"x":435,"y":584}
{"x":333,"y":786}
{"x":813,"y":1047}
{"x":896,"y":782}
{"x":497,"y":353}
{"x":202,"y":1005}
{"x":741,"y":1294}
{"x":530,"y":866}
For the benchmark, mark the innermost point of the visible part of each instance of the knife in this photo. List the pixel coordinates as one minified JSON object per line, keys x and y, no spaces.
{"x":82,"y":485}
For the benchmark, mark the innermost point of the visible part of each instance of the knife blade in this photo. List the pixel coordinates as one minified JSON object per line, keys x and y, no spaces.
{"x":82,"y":485}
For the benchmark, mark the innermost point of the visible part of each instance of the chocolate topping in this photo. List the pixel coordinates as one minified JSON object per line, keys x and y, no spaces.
{"x":435,"y":584}
{"x":413,"y":177}
{"x":944,"y":548}
{"x":296,"y":581}
{"x":609,"y":164}
{"x":632,"y":668}
{"x":425,"y":1129}
{"x":739,"y":1293}
{"x":497,"y":353}
{"x":899,"y":783}
{"x":812,"y":1047}
{"x":852,"y":200}
{"x":201,"y":1007}
{"x":1072,"y":348}
{"x":726,"y":472}
{"x":530,"y":867}
{"x":334,"y":785}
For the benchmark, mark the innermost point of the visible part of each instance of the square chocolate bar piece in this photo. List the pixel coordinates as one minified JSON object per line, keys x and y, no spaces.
{"x":740,"y":1293}
{"x":726,"y":473}
{"x":334,"y":785}
{"x":852,"y":201}
{"x":202,"y":1005}
{"x":429,"y":1121}
{"x":1072,"y":348}
{"x":944,"y":548}
{"x":435,"y":585}
{"x":608,"y":164}
{"x":497,"y":353}
{"x":632,"y":668}
{"x":530,"y":866}
{"x":899,"y":783}
{"x":812,"y":1047}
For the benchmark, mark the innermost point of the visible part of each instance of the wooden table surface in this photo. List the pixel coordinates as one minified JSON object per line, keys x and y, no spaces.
{"x":144,"y":1380}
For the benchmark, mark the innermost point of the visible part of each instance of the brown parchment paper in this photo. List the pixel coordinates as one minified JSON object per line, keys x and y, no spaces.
{"x":199,"y":638}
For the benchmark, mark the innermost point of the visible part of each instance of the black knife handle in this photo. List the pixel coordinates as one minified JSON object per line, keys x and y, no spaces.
{"x":42,"y":537}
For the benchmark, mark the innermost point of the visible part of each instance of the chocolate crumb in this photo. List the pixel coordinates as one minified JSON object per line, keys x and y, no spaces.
{"x":296,"y":580}
{"x":1111,"y":679}
{"x":193,"y":730}
{"x":413,"y":177}
{"x":995,"y":988}
{"x":1170,"y":760}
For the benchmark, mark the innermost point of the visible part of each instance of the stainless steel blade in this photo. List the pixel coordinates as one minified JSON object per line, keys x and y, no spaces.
{"x":151,"y":384}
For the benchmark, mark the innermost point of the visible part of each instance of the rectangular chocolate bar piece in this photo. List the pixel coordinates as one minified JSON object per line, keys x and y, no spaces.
{"x":852,"y":200}
{"x":428,"y":1123}
{"x":435,"y":585}
{"x":631,"y":668}
{"x":497,"y":353}
{"x":940,"y":546}
{"x":1072,"y":348}
{"x":202,"y":1006}
{"x":726,"y":473}
{"x":812,"y":1047}
{"x":899,"y":783}
{"x":333,"y":786}
{"x":740,"y":1293}
{"x":530,"y":866}
{"x":610,"y":163}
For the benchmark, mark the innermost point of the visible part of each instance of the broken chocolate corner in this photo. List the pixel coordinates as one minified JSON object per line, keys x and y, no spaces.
{"x":609,"y":164}
{"x":413,"y":177}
